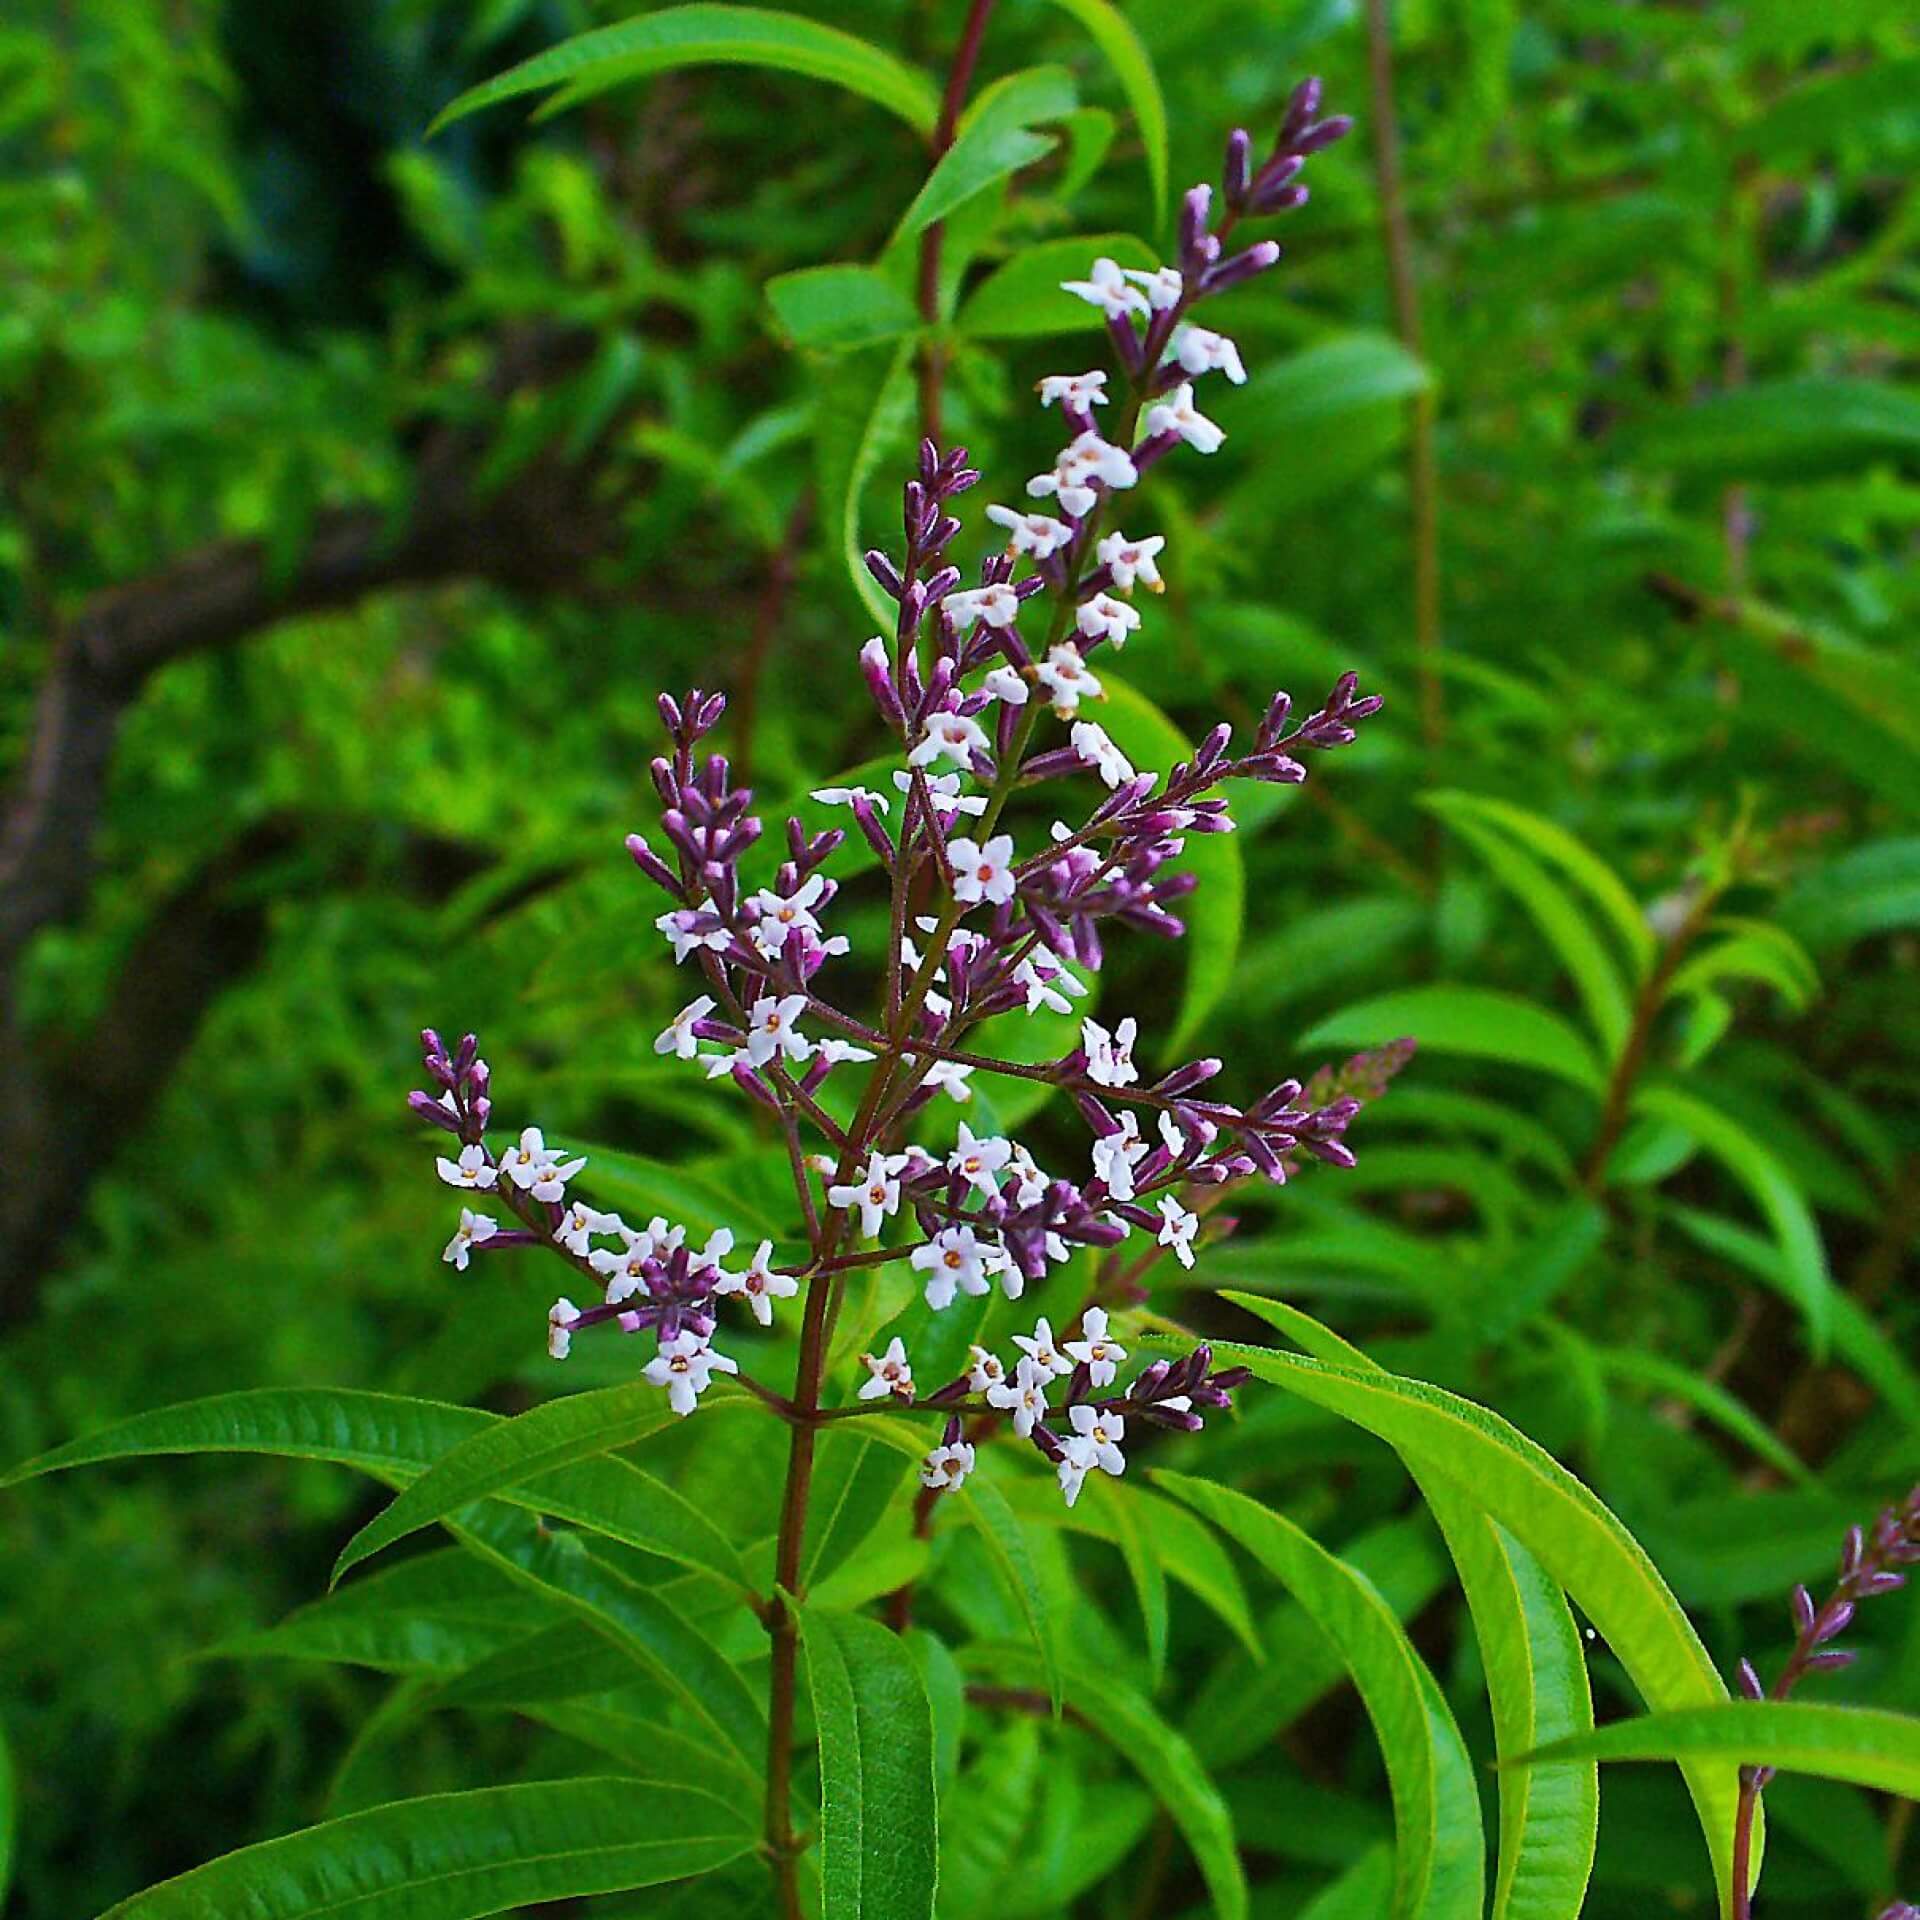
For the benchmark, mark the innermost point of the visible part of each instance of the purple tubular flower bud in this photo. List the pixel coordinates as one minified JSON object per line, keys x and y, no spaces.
{"x":432,"y":1047}
{"x":670,"y":713}
{"x":1194,"y":211}
{"x":1833,"y":1622}
{"x":877,"y":670}
{"x":428,"y":1108}
{"x":885,"y":572}
{"x":652,"y":865}
{"x":1803,"y":1609}
{"x":1236,"y":169}
{"x":1884,"y":1581}
{"x":1750,"y":1681}
{"x":1830,"y":1661}
{"x":1242,"y":267}
{"x":1282,"y":199}
{"x":1302,"y":105}
{"x":1316,"y":138}
{"x":711,"y":709}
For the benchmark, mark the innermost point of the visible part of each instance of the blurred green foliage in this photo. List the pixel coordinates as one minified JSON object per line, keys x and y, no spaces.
{"x":1665,"y":255}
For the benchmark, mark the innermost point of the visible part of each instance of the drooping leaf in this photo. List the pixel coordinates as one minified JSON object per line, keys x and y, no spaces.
{"x":1793,"y":429}
{"x":1298,"y":396}
{"x":1476,"y":1021}
{"x":1139,"y":1550}
{"x":879,"y":1829}
{"x":995,"y":138}
{"x":1866,"y":1746}
{"x":454,"y":1856}
{"x":510,"y":1453}
{"x":692,"y":36}
{"x":1439,"y":1850}
{"x":1132,"y":64}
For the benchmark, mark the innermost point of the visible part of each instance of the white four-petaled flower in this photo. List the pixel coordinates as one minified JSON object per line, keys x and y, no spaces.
{"x":537,"y":1168}
{"x":976,"y":1160}
{"x":580,"y":1222}
{"x":956,"y":736}
{"x":1039,"y":534}
{"x":680,"y":929}
{"x":846,"y":796}
{"x":1178,"y":414}
{"x":1199,"y":350}
{"x":1178,"y":1227}
{"x":945,"y":791}
{"x":1025,"y":1396}
{"x":1080,"y":391}
{"x":876,"y":1193}
{"x":759,"y":1286}
{"x":472,"y":1169}
{"x":685,"y":1366}
{"x":982,"y":873}
{"x":1132,"y":560}
{"x":1162,"y":285}
{"x":888,"y":1372}
{"x":955,"y":1260}
{"x":561,"y":1317}
{"x":998,"y":606}
{"x":1065,"y":676}
{"x":774,"y":1029}
{"x":1106,"y":288}
{"x":947,"y":1466}
{"x":625,"y":1270}
{"x":1096,"y":1349}
{"x":1110,"y":1055}
{"x":678,"y":1037}
{"x":1105,"y":618}
{"x":1094,"y":1442}
{"x":777,"y":914}
{"x":1005,"y":685}
{"x":1041,"y":1348}
{"x":950,"y":1077}
{"x":474,"y":1230}
{"x":1114,"y":1155}
{"x":1078,"y":466}
{"x":984,"y":1370}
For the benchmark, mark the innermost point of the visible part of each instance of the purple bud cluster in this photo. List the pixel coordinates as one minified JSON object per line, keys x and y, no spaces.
{"x":461,"y":1107}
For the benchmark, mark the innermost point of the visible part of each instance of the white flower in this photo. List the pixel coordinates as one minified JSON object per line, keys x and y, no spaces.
{"x":1064,"y":675}
{"x":890,"y":1373}
{"x":1114,"y":1155}
{"x":1095,"y":746}
{"x":1096,"y":1351}
{"x":1013,"y":1279}
{"x":1163,"y":286}
{"x":760,"y":1286}
{"x":946,"y":1467}
{"x":625,"y":1270}
{"x":876,"y":1193}
{"x":1094,"y":1442}
{"x":774,"y":1029}
{"x":998,"y":606}
{"x":1072,"y":1479}
{"x":1080,"y":391}
{"x":1029,"y":1182}
{"x":1178,"y":1228}
{"x":561,"y":1317}
{"x":846,"y":796}
{"x":678,"y":1037}
{"x":1106,"y":288}
{"x":953,"y":1260}
{"x":536,"y":1167}
{"x":778,"y":914}
{"x":685,"y":1366}
{"x":472,"y":1169}
{"x":724,"y":1063}
{"x":836,"y":1052}
{"x":982,"y":873}
{"x":1110,"y":1055}
{"x":1004,"y":684}
{"x":950,"y":1077}
{"x":1178,"y":414}
{"x":1039,"y":534}
{"x":1046,"y":986}
{"x":954,"y":735}
{"x":976,"y":1161}
{"x":1132,"y":560}
{"x":1025,"y":1397}
{"x":944,"y":788}
{"x":1041,"y":1349}
{"x":474,"y":1230}
{"x":1105,"y":618}
{"x":1200,"y":351}
{"x":984,"y":1370}
{"x":677,"y":926}
{"x":580,"y":1222}
{"x":1087,"y":459}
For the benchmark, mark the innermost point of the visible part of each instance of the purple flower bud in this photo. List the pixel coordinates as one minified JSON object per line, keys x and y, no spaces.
{"x":1801,"y":1602}
{"x":1281,"y":199}
{"x":877,"y":670}
{"x":670,"y":713}
{"x":428,"y":1108}
{"x":884,"y":571}
{"x":1302,"y":104}
{"x":1830,"y":1661}
{"x":1833,"y":1621}
{"x":1324,"y":134}
{"x":1235,"y":169}
{"x":1242,"y":267}
{"x":1750,"y":1681}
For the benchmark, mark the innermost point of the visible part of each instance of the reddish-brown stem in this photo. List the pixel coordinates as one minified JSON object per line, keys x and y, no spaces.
{"x":933,"y":358}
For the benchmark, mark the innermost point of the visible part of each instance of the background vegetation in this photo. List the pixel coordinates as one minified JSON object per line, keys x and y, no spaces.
{"x":357,"y":493}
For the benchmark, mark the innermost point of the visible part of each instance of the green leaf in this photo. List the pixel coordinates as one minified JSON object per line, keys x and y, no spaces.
{"x":1003,"y":1534}
{"x":1140,"y":1551}
{"x":1361,"y":1893}
{"x":454,"y":1856}
{"x":844,"y":306}
{"x":1348,"y":374}
{"x":1562,"y":924}
{"x":1774,"y":1191}
{"x":861,"y":411}
{"x":856,"y":1476}
{"x":1708,"y":1398}
{"x":508,"y":1454}
{"x":1864,"y":1746}
{"x":9,"y":1814}
{"x":1215,"y":912}
{"x":1117,"y":38}
{"x":1793,"y":430}
{"x":1581,"y":1544}
{"x":697,"y":1196}
{"x":1869,"y":889}
{"x":1022,"y":298}
{"x":994,"y":139}
{"x":590,"y":63}
{"x":1472,"y":1020}
{"x":1439,"y":1851}
{"x":879,"y":1840}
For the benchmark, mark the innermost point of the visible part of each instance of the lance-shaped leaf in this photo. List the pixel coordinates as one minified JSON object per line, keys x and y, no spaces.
{"x":1440,"y":1868}
{"x":1117,"y":38}
{"x":995,"y":138}
{"x":1476,"y":1021}
{"x":696,"y":36}
{"x":1865,"y":1746}
{"x":455,"y":1856}
{"x":879,"y":1834}
{"x":508,"y":1454}
{"x":1582,"y":1545}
